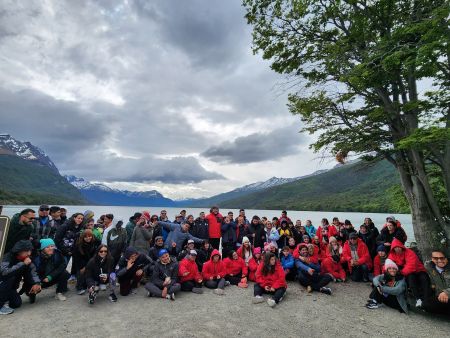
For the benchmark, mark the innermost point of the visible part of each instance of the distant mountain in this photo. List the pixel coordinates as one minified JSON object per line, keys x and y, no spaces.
{"x":243,"y":191}
{"x":27,"y":181}
{"x":358,"y":186}
{"x":101,"y":194}
{"x":25,"y":150}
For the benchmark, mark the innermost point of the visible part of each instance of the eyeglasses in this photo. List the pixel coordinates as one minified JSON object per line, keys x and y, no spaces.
{"x":439,"y":258}
{"x":103,"y":251}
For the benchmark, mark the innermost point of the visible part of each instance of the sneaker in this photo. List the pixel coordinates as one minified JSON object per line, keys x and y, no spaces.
{"x":134,"y":291}
{"x":271,"y":302}
{"x":6,"y":310}
{"x":149,"y":294}
{"x":113,"y":297}
{"x":309,"y":289}
{"x":102,"y":287}
{"x":227,"y":283}
{"x":60,"y":296}
{"x":419,"y":302}
{"x":92,"y":296}
{"x":167,"y":297}
{"x":172,"y":296}
{"x":219,"y":292}
{"x":72,"y":279}
{"x":258,"y":299}
{"x":373,"y":305}
{"x":81,"y":292}
{"x":197,"y":290}
{"x":325,"y":290}
{"x":338,"y":280}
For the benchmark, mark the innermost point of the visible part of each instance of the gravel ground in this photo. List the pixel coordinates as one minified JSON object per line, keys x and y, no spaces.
{"x":209,"y":315}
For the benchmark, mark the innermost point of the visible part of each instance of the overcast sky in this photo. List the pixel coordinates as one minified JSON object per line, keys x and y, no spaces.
{"x":144,"y":95}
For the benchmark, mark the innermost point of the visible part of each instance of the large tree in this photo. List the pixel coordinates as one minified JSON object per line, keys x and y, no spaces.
{"x":357,"y":67}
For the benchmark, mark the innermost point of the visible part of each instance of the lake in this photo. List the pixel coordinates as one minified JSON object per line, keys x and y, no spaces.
{"x":124,"y":213}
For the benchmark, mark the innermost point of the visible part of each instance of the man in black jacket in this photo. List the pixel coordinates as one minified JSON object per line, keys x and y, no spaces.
{"x":131,"y":270}
{"x":163,"y":282}
{"x":256,"y":233}
{"x":51,"y":268}
{"x":17,"y":265}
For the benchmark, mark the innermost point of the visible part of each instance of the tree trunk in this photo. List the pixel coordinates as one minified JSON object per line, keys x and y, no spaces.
{"x":427,"y":230}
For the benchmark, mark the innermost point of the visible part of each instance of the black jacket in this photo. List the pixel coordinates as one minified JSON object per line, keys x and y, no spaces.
{"x":50,"y":266}
{"x":12,"y":271}
{"x":200,"y":228}
{"x":161,"y":271}
{"x":82,"y":255}
{"x":229,"y":232}
{"x":97,"y":266}
{"x":260,"y":235}
{"x":141,"y":263}
{"x":66,"y":237}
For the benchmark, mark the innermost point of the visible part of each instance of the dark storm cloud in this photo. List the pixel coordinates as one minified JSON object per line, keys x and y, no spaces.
{"x":258,"y":147}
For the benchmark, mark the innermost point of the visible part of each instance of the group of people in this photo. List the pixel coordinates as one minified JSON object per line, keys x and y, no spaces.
{"x":213,"y":251}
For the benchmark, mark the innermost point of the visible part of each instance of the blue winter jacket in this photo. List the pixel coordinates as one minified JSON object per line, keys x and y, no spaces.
{"x":177,"y":235}
{"x":287,"y":262}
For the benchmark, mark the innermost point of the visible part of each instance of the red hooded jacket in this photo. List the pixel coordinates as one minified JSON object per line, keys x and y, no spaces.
{"x":332,"y":231}
{"x":215,"y":225}
{"x":186,"y":265}
{"x":274,"y":280}
{"x":235,"y":266}
{"x":407,"y":261}
{"x":252,"y":267}
{"x":213,"y":269}
{"x":378,"y":269}
{"x":363,"y":254}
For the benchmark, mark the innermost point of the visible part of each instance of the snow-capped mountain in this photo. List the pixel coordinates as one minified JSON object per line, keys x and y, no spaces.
{"x":9,"y":145}
{"x":101,"y":194}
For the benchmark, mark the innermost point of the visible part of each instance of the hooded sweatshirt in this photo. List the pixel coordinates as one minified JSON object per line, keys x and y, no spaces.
{"x":235,"y":266}
{"x":186,"y":265}
{"x":252,"y":268}
{"x":214,"y":269}
{"x":361,"y":251}
{"x":274,"y":280}
{"x":407,"y":261}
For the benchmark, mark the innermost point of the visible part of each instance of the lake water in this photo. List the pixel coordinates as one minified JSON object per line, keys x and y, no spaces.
{"x":124,"y":213}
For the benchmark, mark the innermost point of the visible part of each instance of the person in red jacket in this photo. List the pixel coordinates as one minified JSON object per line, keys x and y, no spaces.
{"x":235,"y":268}
{"x":253,"y":264}
{"x":331,"y":230}
{"x":214,"y":272}
{"x":332,"y":263}
{"x":412,"y":268}
{"x":190,"y":277}
{"x":378,"y":261}
{"x":357,"y":256}
{"x":215,"y":220}
{"x":270,"y":279}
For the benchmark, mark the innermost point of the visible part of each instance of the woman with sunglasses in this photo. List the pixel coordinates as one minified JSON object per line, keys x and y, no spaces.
{"x":99,"y":273}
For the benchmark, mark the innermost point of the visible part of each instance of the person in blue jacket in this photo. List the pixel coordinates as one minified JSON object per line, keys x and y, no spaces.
{"x":229,"y":236}
{"x":310,"y":229}
{"x":178,"y":234}
{"x":287,"y":262}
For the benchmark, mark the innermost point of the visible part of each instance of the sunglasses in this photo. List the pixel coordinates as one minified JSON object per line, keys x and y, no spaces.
{"x":103,"y":251}
{"x":439,"y":258}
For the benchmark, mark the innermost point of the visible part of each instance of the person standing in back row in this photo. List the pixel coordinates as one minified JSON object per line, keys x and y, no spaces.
{"x":215,"y":220}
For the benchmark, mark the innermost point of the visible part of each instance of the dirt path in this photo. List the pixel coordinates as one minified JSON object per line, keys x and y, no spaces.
{"x":342,"y":314}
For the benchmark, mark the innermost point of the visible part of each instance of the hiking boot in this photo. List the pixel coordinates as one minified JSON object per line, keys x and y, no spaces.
{"x":92,"y":296}
{"x":6,"y":310}
{"x":227,"y":283}
{"x":271,"y":302}
{"x":258,"y":299}
{"x":81,"y":292}
{"x":325,"y":290}
{"x":60,"y":296}
{"x":197,"y":290}
{"x":112,"y":297}
{"x":309,"y":289}
{"x":219,"y":292}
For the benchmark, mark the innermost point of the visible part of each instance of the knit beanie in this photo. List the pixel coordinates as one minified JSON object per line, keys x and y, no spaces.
{"x":245,"y":239}
{"x":46,"y":242}
{"x":381,"y":247}
{"x":22,"y":245}
{"x":257,"y":250}
{"x":130,"y":251}
{"x":390,"y":264}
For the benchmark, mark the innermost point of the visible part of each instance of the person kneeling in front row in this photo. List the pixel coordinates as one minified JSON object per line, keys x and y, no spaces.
{"x":270,"y":278}
{"x":163,"y":282}
{"x":132,"y":265}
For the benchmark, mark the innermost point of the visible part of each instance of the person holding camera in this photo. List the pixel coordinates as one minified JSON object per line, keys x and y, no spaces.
{"x":17,"y":265}
{"x":99,"y":273}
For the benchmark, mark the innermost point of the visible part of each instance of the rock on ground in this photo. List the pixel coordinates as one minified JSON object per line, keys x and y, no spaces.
{"x":315,"y":315}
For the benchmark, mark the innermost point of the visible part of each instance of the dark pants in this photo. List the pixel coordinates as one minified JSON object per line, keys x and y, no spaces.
{"x":278,"y":294}
{"x":227,"y":248}
{"x":81,"y":280}
{"x":419,"y":283}
{"x":8,"y":293}
{"x":60,"y":281}
{"x":156,"y":291}
{"x":360,"y":273}
{"x":215,"y":283}
{"x":189,"y":285}
{"x":127,"y":284}
{"x":315,"y":280}
{"x":390,"y":300}
{"x":234,"y":280}
{"x":433,"y":305}
{"x":215,"y":243}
